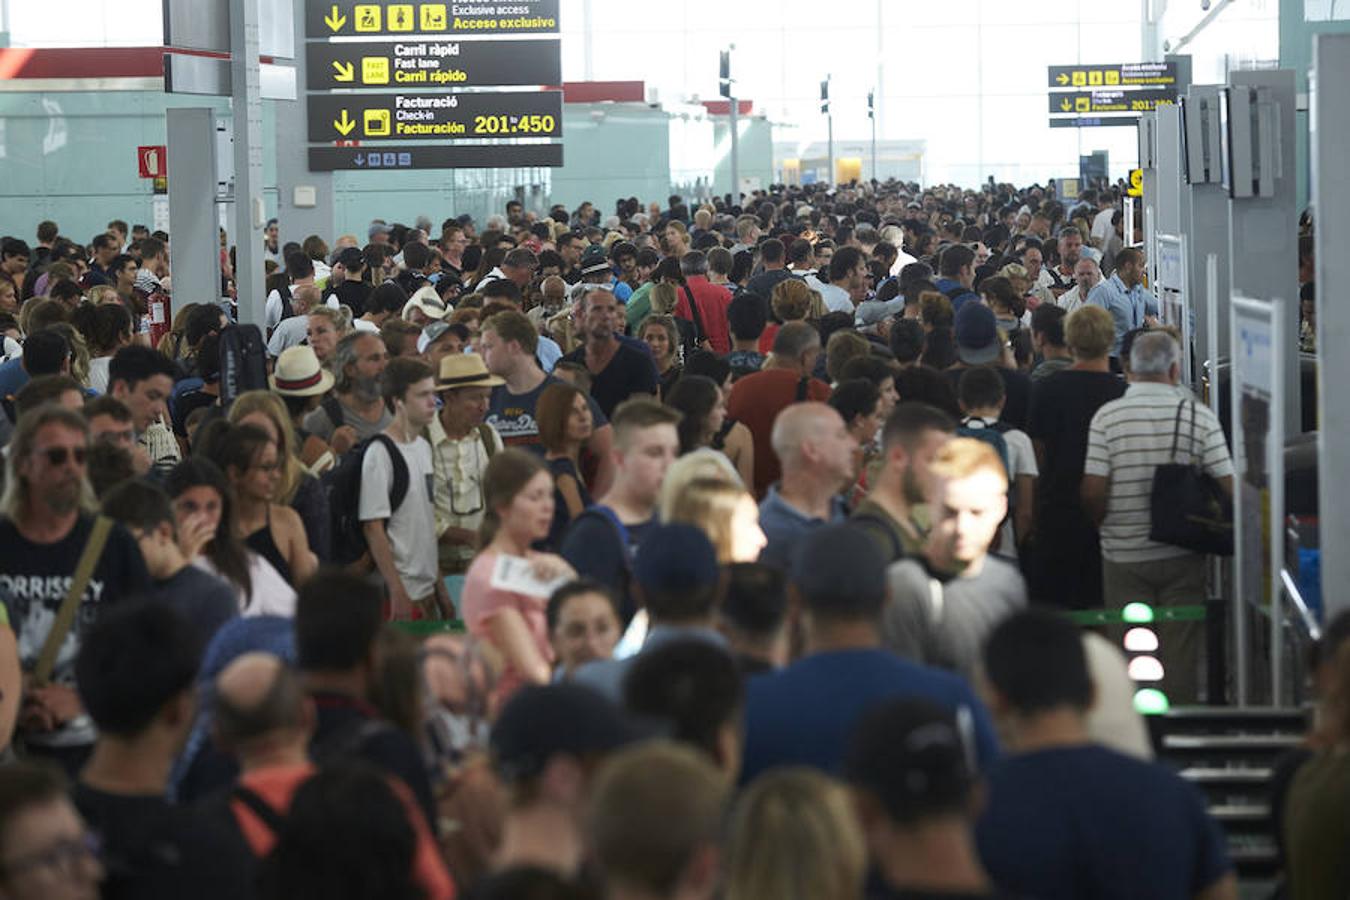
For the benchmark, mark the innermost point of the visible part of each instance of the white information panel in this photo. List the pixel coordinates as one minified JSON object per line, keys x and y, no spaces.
{"x":1257,"y":350}
{"x":1174,"y":303}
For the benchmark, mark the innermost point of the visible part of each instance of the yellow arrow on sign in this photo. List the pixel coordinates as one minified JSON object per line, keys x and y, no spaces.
{"x":1062,"y":79}
{"x":334,"y":20}
{"x":343,"y":71}
{"x":1065,"y":105}
{"x":344,"y":125}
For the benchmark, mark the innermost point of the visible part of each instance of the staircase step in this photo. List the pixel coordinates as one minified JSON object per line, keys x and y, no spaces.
{"x":1212,"y":775}
{"x":1249,"y":851}
{"x":1230,"y":743}
{"x":1217,"y":719}
{"x":1240,"y":812}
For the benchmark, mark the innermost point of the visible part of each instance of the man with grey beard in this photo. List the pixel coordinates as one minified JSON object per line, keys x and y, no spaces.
{"x":894,"y":513}
{"x":46,"y":526}
{"x":355,"y":410}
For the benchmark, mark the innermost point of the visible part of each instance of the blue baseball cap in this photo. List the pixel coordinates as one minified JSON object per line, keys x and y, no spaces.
{"x":675,"y":557}
{"x":976,"y":334}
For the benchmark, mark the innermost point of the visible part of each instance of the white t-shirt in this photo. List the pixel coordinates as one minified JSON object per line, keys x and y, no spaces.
{"x":98,"y":373}
{"x":1102,"y":229}
{"x":902,"y":259}
{"x":836,"y":298}
{"x":289,"y":333}
{"x":272,"y":312}
{"x":272,"y":595}
{"x":412,"y":527}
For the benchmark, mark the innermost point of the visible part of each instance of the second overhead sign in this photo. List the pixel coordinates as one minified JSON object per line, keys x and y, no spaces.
{"x":433,"y":63}
{"x":1090,"y":102}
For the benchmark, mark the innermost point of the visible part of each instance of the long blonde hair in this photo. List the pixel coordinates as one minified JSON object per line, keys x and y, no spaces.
{"x":79,"y":351}
{"x":270,"y":405}
{"x":709,"y":504}
{"x":703,"y":463}
{"x":664,"y":299}
{"x":795,"y":836}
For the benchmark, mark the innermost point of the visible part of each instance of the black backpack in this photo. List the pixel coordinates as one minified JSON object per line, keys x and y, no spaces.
{"x":243,"y":362}
{"x":343,"y":486}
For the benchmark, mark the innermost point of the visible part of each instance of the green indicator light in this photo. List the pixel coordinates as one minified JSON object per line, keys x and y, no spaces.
{"x":1151,"y":702}
{"x":1137,"y":613}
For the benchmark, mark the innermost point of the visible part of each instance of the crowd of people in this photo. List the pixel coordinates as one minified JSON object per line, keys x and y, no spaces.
{"x":760,"y":519}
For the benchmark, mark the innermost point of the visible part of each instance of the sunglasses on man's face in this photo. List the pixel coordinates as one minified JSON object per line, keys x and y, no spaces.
{"x":57,"y":456}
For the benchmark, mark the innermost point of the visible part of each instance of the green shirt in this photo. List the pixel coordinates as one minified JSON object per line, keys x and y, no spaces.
{"x":895,"y":542}
{"x":639,"y":306}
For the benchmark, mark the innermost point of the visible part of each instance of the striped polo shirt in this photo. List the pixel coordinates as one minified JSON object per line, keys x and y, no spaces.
{"x":1127,"y":440}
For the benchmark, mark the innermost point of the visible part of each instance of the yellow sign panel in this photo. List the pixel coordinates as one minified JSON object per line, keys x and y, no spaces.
{"x":1080,"y":79}
{"x":374,"y":70}
{"x":401,"y":17}
{"x":1113,"y":76}
{"x":1136,"y":188}
{"x":377,"y":122}
{"x":1082,"y":104}
{"x":433,"y":16}
{"x":367,"y":17}
{"x":1095,"y":78}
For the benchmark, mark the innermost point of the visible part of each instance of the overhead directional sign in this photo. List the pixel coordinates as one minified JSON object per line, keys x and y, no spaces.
{"x":1150,"y":74}
{"x":1092,"y":102}
{"x":433,"y":63}
{"x":346,"y":18}
{"x":1103,"y":95}
{"x":508,"y":156}
{"x":396,"y":72}
{"x":421,"y":115}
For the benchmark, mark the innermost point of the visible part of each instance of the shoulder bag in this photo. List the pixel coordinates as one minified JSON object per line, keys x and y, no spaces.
{"x":1188,"y":507}
{"x":65,"y":616}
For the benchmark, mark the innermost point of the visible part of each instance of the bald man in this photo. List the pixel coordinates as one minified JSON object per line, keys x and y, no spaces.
{"x":262,"y":714}
{"x":265,"y":718}
{"x":817,"y":455}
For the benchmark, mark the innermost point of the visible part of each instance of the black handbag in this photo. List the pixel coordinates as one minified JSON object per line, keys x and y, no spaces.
{"x":1188,"y":507}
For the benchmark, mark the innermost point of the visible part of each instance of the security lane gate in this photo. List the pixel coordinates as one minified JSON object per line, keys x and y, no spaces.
{"x":1257,"y":136}
{"x":1257,"y":338}
{"x":1207,"y":235}
{"x":1175,"y":299}
{"x":1330,"y":102}
{"x":1220,"y":221}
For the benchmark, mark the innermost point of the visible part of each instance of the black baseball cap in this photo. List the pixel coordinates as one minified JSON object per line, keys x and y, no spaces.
{"x":540,"y":722}
{"x":914,"y":757}
{"x":838,"y":568}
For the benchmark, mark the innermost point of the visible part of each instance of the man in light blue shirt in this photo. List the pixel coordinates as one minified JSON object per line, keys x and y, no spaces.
{"x":817,"y":455}
{"x":1124,"y":296}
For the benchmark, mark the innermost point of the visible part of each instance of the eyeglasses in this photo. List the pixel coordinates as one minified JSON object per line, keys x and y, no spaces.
{"x":61,"y":857}
{"x":57,"y":456}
